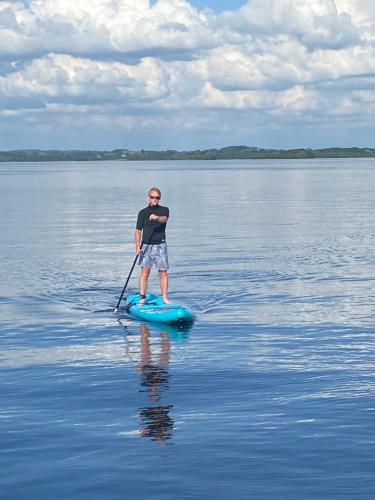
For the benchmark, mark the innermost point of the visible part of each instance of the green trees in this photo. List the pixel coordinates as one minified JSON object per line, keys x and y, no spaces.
{"x":227,"y":153}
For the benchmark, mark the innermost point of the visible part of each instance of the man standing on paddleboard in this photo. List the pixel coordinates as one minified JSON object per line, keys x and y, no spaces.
{"x":150,"y":243}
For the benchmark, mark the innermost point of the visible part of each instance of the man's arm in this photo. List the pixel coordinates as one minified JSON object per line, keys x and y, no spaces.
{"x":138,"y":236}
{"x":159,"y":218}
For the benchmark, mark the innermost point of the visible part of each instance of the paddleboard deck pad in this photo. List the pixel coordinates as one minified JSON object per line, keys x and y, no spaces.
{"x":156,"y":311}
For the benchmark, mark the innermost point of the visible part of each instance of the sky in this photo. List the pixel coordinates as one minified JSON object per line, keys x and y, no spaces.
{"x":178,"y":74}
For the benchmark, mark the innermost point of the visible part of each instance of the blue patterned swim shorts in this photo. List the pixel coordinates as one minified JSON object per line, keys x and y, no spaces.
{"x":154,"y":255}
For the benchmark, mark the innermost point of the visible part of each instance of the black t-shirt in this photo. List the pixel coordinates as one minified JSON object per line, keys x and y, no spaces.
{"x":153,"y":232}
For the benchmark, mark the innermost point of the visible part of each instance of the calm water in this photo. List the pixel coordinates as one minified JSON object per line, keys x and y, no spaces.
{"x":270,"y":395}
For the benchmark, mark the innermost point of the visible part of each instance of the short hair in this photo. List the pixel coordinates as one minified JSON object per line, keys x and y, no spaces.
{"x":154,"y":189}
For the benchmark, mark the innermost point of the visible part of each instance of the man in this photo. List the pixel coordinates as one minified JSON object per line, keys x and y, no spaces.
{"x":150,"y":243}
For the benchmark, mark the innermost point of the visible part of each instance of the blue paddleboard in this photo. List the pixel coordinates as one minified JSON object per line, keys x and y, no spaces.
{"x":156,"y":311}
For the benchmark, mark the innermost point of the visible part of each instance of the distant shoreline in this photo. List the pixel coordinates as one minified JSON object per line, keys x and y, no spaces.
{"x":227,"y":153}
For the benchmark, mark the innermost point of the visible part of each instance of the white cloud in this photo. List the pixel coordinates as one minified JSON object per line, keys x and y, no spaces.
{"x":104,"y":27}
{"x":59,"y":75}
{"x":317,"y":23}
{"x":130,"y":64}
{"x":293,"y":100}
{"x":362,"y":12}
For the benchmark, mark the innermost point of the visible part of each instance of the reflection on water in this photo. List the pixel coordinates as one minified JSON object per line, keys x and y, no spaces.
{"x":78,"y":349}
{"x":155,"y":419}
{"x":156,"y":422}
{"x":154,"y":367}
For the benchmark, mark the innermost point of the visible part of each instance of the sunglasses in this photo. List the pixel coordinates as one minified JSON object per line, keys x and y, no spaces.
{"x":154,"y":197}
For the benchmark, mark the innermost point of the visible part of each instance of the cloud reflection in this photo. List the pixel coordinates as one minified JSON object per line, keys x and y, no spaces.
{"x":102,"y":352}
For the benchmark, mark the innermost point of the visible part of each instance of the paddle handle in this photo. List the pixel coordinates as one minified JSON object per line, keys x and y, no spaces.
{"x":127,"y":281}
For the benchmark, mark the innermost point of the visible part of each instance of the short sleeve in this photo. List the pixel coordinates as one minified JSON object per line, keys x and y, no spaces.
{"x":140,"y":221}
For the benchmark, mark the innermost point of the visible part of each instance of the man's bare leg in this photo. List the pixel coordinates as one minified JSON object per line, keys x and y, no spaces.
{"x":163,"y":275}
{"x":143,"y":282}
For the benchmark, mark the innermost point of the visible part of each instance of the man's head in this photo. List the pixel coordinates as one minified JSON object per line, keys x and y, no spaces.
{"x":154,"y":196}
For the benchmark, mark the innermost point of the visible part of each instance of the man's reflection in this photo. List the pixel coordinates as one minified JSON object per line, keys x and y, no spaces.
{"x":155,"y":420}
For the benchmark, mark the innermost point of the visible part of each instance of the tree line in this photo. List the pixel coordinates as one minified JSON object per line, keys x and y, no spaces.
{"x":227,"y":153}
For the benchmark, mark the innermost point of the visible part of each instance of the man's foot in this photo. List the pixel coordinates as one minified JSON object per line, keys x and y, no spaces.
{"x":166,"y":300}
{"x":142,"y":299}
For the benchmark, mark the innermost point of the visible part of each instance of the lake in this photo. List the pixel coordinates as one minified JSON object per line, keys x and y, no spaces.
{"x":271,"y":394}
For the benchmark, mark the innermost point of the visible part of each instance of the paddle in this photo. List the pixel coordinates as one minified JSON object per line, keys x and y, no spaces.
{"x":127,"y":281}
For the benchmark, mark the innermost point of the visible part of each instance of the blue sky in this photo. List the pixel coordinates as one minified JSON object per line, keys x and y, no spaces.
{"x":218,"y":5}
{"x":172,"y":74}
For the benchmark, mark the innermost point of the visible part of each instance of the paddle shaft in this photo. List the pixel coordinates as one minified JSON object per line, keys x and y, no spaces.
{"x":127,"y":281}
